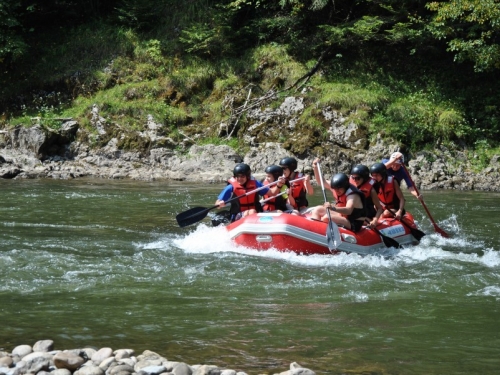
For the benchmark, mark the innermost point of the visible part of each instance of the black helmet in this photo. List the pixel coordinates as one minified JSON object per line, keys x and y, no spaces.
{"x":275,"y":170}
{"x":379,"y":168}
{"x":289,"y":162}
{"x":361,"y":170}
{"x":340,"y":180}
{"x":242,"y":168}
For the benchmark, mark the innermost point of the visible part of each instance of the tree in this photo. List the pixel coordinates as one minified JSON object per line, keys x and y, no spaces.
{"x":12,"y":44}
{"x":471,"y":29}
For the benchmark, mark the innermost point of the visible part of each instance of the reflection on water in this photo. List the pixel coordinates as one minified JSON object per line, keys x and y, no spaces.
{"x":103,"y":263}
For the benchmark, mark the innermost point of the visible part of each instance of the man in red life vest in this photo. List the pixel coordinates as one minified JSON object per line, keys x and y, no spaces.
{"x":388,"y":191}
{"x":298,"y":189}
{"x":350,"y":207}
{"x":238,"y":185}
{"x":360,"y":177}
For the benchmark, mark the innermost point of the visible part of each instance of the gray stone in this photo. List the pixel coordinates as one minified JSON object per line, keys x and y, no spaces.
{"x":107,"y":363}
{"x":123,"y":353}
{"x":182,"y":369}
{"x":37,"y":361}
{"x":149,"y":361}
{"x":6,"y":361}
{"x":68,"y":360}
{"x":89,"y":370}
{"x":101,"y":355}
{"x":60,"y":371}
{"x":116,"y":370}
{"x":207,"y":370}
{"x":153,"y":370}
{"x":43,"y":346}
{"x":22,"y":350}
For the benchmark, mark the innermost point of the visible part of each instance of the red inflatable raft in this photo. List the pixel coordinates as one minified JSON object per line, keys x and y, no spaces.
{"x":302,"y":235}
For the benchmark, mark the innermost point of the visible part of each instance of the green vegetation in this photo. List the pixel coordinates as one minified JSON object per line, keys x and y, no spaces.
{"x":421,"y":73}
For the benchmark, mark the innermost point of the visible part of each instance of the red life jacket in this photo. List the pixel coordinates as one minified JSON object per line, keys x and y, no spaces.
{"x":342,"y":202}
{"x":276,"y":203}
{"x":298,"y":191}
{"x":366,"y":187}
{"x":387,"y":193}
{"x":246,"y":202}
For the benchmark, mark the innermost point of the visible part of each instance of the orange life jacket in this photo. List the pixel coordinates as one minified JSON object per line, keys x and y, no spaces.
{"x":276,"y":203}
{"x":246,"y":202}
{"x":298,"y":191}
{"x":387,"y":193}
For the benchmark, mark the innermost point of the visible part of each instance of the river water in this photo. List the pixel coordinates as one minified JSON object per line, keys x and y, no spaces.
{"x":104,"y":263}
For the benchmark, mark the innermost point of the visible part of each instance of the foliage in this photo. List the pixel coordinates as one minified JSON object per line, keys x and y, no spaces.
{"x":385,"y":65}
{"x":419,"y":118}
{"x":12,"y":44}
{"x":471,"y":28}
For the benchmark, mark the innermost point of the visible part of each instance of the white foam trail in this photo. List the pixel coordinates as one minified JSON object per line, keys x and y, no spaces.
{"x":208,"y":240}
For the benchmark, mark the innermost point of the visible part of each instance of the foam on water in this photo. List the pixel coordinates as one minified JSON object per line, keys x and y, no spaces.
{"x":208,"y":240}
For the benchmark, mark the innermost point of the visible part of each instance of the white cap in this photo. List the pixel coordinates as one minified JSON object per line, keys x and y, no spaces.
{"x":400,"y":159}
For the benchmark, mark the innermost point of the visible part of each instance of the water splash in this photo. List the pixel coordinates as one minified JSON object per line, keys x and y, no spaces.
{"x":208,"y":240}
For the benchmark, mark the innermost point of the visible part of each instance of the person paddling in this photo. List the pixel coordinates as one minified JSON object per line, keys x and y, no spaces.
{"x":360,"y":177}
{"x":238,"y":185}
{"x":298,"y":189}
{"x":394,"y":168}
{"x":276,"y":198}
{"x":388,"y":191}
{"x":350,"y":207}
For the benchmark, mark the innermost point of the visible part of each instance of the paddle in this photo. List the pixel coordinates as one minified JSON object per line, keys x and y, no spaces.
{"x":195,"y":214}
{"x":388,"y":241}
{"x":436,"y":227}
{"x":418,"y":234}
{"x":270,"y":198}
{"x":330,"y":236}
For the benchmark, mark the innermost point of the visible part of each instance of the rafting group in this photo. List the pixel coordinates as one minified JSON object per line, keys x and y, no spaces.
{"x":367,"y":200}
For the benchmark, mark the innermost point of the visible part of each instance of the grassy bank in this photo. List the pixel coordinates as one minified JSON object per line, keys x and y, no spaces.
{"x":197,"y":87}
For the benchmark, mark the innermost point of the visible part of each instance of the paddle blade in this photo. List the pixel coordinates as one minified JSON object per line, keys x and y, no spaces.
{"x":418,"y":234}
{"x":191,"y":216}
{"x":440,"y":231}
{"x":389,"y":242}
{"x":330,"y":237}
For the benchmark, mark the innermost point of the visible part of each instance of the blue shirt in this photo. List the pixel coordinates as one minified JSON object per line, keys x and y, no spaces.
{"x":226,"y":193}
{"x":399,"y":175}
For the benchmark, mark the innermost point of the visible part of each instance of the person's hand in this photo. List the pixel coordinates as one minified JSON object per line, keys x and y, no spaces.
{"x":396,"y":156}
{"x":373,"y":223}
{"x":220,"y":203}
{"x":308,"y":178}
{"x":399,"y":214}
{"x":315,"y":162}
{"x":327,"y":205}
{"x":281,"y":180}
{"x":420,"y":197}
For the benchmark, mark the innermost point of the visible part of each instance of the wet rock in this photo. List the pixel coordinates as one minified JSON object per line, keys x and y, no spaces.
{"x":68,"y":360}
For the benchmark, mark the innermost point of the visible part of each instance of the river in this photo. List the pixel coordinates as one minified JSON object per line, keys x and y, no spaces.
{"x":104,"y":263}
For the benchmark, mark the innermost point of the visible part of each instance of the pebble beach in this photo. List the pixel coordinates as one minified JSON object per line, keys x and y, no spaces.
{"x":43,"y":359}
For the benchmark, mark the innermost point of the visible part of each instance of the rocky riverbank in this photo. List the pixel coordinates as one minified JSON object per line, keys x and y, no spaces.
{"x":42,"y":359}
{"x":72,"y":152}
